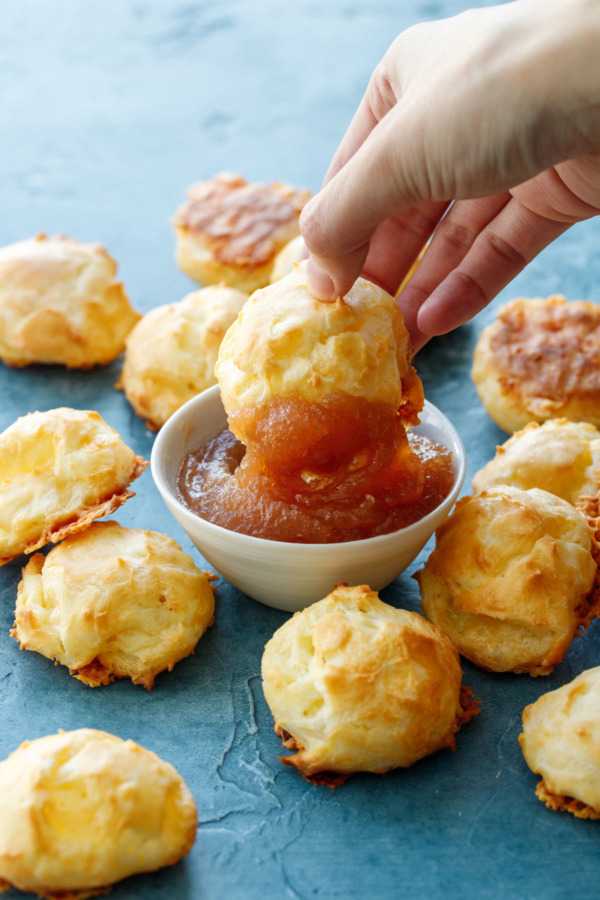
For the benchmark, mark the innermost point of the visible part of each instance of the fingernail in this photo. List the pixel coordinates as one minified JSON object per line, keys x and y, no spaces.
{"x":319,"y":282}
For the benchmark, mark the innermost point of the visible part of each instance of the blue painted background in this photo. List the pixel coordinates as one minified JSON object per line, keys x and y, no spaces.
{"x":109,"y":109}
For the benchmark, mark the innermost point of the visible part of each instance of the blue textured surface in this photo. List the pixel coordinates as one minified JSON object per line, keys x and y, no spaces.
{"x":109,"y":110}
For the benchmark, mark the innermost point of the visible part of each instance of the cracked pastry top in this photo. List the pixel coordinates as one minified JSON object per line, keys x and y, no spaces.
{"x":60,"y":302}
{"x":559,"y":456}
{"x":540,"y":360}
{"x":287,"y":344}
{"x":84,"y":809}
{"x":113,"y":602}
{"x":59,"y":470}
{"x":511,"y":579}
{"x":171,"y":353}
{"x":561,"y":742}
{"x":231,"y":230}
{"x":356,"y":685}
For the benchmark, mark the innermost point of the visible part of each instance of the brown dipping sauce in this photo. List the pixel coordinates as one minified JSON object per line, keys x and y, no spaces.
{"x":393,"y":480}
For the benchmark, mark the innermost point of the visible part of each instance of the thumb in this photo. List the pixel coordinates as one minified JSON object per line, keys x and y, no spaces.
{"x":373,"y":185}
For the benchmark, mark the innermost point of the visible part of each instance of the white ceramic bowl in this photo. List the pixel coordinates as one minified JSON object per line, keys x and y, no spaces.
{"x":284,"y":575}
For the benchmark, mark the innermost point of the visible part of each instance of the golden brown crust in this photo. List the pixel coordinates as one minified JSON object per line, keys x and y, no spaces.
{"x":60,"y":303}
{"x":230,"y":230}
{"x":171,"y":353}
{"x":558,"y":802}
{"x":286,"y":343}
{"x":84,"y":809}
{"x":559,"y":456}
{"x":356,"y":685}
{"x":113,"y":602}
{"x":511,"y":579}
{"x":59,"y":470}
{"x":540,"y":360}
{"x":561,"y":743}
{"x":468,"y":706}
{"x":67,"y":895}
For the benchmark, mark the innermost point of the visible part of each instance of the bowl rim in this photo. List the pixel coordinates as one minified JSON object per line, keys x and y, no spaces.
{"x":247,"y":540}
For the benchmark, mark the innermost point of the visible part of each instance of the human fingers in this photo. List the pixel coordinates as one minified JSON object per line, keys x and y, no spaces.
{"x":504,"y":247}
{"x":337,"y":225}
{"x":540,"y":210}
{"x":569,"y":192}
{"x":396,"y":243}
{"x":391,"y":157}
{"x":418,"y":151}
{"x":453,"y":238}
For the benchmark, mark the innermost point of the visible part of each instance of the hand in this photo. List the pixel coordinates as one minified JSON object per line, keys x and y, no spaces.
{"x":483,"y":130}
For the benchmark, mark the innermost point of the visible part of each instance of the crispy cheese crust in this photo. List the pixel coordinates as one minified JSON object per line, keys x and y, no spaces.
{"x":540,"y":360}
{"x":286,"y":343}
{"x":59,"y":470}
{"x":511,"y":579}
{"x":84,"y":809}
{"x":559,"y":456}
{"x":561,"y":742}
{"x":230,"y":230}
{"x":357,"y":685}
{"x":113,"y":602}
{"x":61,"y":303}
{"x":171,"y":353}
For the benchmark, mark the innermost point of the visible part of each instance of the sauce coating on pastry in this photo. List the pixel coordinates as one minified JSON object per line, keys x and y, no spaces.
{"x":387,"y":485}
{"x":321,"y":396}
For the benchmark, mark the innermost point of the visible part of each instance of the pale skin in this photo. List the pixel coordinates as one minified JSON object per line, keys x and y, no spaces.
{"x":482,"y":130}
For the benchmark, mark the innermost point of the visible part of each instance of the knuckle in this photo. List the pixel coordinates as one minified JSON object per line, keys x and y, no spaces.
{"x":459,"y":237}
{"x":506,"y":251}
{"x":474,"y":297}
{"x":418,"y":223}
{"x":381,"y":95}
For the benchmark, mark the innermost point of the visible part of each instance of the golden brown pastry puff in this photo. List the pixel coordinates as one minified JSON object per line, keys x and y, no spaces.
{"x":83,"y":809}
{"x":357,"y":685}
{"x":59,"y":470}
{"x":287,"y":344}
{"x":113,"y":602}
{"x":558,"y":456}
{"x":229,"y":230}
{"x":510,"y":578}
{"x":540,"y":360}
{"x":561,"y":742}
{"x":60,"y":303}
{"x":171,"y":353}
{"x":287,"y":258}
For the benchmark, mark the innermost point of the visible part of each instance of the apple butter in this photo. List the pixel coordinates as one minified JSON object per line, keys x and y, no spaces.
{"x":341,"y":469}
